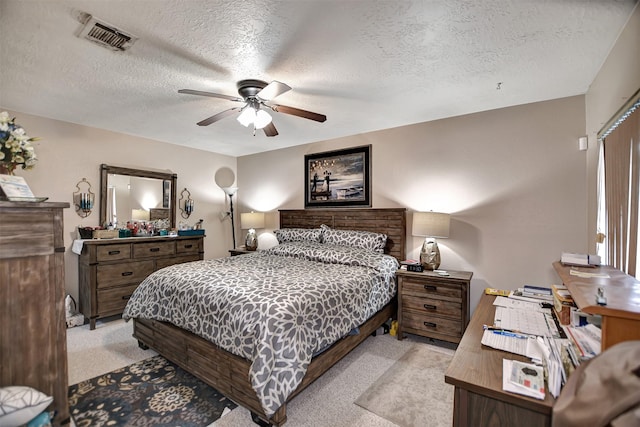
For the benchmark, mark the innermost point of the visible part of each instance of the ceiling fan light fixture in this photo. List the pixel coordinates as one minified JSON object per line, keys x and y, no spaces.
{"x":247,"y":116}
{"x":262,"y":119}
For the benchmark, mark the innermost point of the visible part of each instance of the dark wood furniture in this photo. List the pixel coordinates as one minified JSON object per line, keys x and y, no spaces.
{"x":229,"y":373}
{"x":111,"y":269}
{"x":621,"y":315}
{"x":33,"y":334}
{"x":239,"y":251}
{"x":476,"y":373}
{"x":433,"y":305}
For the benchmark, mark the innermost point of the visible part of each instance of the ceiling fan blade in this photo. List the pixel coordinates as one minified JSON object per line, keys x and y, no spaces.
{"x":273,"y":89}
{"x":211,"y":94}
{"x":216,"y":117}
{"x":270,"y":130}
{"x":298,"y":112}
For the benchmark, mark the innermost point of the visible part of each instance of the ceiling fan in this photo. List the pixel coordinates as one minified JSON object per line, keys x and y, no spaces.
{"x":255,"y":94}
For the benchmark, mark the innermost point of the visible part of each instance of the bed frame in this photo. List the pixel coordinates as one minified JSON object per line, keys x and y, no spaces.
{"x":228,"y":373}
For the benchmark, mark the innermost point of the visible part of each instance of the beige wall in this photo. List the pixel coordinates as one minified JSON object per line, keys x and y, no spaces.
{"x":513,"y":179}
{"x":617,"y":81}
{"x":68,"y":152}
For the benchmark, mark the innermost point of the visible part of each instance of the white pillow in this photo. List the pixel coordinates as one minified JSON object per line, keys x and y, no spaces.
{"x":21,"y":404}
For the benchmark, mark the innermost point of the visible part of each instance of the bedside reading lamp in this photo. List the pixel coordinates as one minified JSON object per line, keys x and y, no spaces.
{"x":251,"y":221}
{"x":430,"y":225}
{"x":230,"y":191}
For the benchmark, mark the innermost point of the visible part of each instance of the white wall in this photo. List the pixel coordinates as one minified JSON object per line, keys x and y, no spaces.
{"x":513,"y":180}
{"x":68,"y":152}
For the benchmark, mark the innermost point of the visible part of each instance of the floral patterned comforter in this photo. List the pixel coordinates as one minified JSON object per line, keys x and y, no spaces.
{"x":275,"y":308}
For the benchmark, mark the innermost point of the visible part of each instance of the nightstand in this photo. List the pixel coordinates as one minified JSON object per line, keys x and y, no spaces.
{"x":433,"y":305}
{"x":239,"y":251}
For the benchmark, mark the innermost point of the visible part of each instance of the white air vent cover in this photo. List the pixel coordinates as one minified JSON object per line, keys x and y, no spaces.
{"x":106,"y":35}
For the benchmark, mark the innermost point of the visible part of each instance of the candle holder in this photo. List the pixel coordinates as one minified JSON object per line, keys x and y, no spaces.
{"x":83,"y":199}
{"x":186,"y":204}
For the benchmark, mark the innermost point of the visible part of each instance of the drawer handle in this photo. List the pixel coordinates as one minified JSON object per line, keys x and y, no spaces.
{"x":126,"y":297}
{"x":154,"y":249}
{"x":430,"y":307}
{"x":430,"y":324}
{"x":430,"y":288}
{"x":188,"y":246}
{"x":114,"y":252}
{"x":127,"y":273}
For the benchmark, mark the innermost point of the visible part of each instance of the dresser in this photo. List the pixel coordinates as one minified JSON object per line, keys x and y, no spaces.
{"x":33,"y":334}
{"x":433,"y":305}
{"x":111,"y":269}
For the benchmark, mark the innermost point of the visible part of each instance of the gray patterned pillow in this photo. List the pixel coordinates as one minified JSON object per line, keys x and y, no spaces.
{"x":354,"y":238}
{"x":285,"y":235}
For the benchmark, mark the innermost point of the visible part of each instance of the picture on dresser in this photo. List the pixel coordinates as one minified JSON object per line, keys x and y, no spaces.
{"x":338,"y":178}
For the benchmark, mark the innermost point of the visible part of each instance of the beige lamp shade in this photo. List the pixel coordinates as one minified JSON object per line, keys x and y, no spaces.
{"x":431,"y":224}
{"x":140,"y":215}
{"x":252,"y":220}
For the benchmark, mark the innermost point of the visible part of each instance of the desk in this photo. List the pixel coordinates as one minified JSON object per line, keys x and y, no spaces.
{"x":621,"y":315}
{"x":476,"y":373}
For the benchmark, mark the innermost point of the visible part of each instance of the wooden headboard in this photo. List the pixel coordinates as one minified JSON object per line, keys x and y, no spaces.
{"x":390,"y":221}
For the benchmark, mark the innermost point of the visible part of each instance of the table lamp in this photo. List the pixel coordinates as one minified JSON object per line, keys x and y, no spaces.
{"x":431,"y":225}
{"x":251,"y":221}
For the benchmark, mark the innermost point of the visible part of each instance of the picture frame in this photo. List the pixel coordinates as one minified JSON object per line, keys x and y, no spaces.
{"x":339,"y":178}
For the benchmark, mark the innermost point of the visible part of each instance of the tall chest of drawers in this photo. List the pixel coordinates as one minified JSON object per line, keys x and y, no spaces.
{"x":433,"y":305}
{"x":111,"y":269}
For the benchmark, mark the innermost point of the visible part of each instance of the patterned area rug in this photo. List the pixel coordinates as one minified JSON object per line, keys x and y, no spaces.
{"x":153,"y":392}
{"x":412,"y":393}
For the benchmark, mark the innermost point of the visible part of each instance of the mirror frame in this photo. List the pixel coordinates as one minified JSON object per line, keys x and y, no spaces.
{"x":105,"y":170}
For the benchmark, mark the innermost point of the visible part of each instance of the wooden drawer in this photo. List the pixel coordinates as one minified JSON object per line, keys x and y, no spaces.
{"x":427,"y":324}
{"x":113,"y":252}
{"x":123,"y":273}
{"x":433,"y":288}
{"x":166,"y":262}
{"x":419,"y":305}
{"x":187,"y":247}
{"x":113,"y":300}
{"x":153,"y":249}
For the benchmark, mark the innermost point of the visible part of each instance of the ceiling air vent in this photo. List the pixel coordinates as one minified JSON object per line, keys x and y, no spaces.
{"x":106,"y":35}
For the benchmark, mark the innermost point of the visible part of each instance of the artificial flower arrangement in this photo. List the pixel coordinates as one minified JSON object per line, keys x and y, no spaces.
{"x":15,"y":146}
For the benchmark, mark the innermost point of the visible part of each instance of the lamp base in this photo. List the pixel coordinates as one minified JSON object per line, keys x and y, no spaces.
{"x":251,"y":241}
{"x":430,"y":254}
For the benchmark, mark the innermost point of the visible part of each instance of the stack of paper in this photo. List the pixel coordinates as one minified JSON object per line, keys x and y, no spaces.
{"x":586,"y":260}
{"x":523,"y":378}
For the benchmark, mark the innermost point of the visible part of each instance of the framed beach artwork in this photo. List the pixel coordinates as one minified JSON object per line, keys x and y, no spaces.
{"x":338,"y":178}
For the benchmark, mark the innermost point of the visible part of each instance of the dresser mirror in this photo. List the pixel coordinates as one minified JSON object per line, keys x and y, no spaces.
{"x":136,"y":195}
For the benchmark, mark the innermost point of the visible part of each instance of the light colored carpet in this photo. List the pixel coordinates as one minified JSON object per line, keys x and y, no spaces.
{"x":412,"y":393}
{"x":329,"y":401}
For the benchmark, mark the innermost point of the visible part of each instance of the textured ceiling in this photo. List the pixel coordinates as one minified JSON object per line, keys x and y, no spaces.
{"x":367,"y":65}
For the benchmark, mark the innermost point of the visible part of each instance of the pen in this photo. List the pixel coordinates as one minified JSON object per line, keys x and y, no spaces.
{"x":498,"y":328}
{"x":509,"y":334}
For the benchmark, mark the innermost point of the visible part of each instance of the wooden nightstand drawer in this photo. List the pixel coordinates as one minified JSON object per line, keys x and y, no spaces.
{"x":153,"y":249}
{"x":123,"y":273}
{"x":113,"y":252}
{"x":113,"y":300}
{"x":432,"y":324}
{"x":432,"y":306}
{"x":431,"y":288}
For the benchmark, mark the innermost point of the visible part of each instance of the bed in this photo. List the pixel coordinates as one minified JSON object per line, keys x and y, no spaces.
{"x":258,"y":371}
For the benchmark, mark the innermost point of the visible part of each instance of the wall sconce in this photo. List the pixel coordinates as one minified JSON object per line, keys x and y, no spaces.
{"x":251,"y":221}
{"x":83,"y":200}
{"x":430,"y":225}
{"x":186,"y":204}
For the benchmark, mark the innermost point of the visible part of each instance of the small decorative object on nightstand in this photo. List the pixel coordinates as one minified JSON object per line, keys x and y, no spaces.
{"x":430,"y":225}
{"x":251,"y":221}
{"x":433,"y":304}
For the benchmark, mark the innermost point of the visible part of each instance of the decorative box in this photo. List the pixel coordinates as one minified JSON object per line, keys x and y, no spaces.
{"x":105,"y":234}
{"x":190,"y":232}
